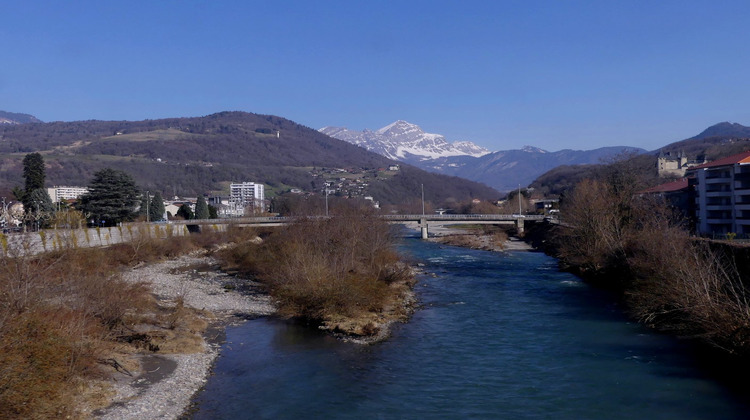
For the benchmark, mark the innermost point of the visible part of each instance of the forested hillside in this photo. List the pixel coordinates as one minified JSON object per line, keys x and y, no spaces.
{"x":191,"y":156}
{"x":716,"y":142}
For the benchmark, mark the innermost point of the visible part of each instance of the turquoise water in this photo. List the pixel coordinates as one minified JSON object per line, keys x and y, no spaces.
{"x":498,"y":336}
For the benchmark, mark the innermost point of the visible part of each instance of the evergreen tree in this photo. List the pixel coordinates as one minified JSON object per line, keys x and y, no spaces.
{"x":112,"y":197}
{"x":33,"y":172}
{"x":201,"y":209}
{"x":156,"y":208}
{"x":34,"y":176}
{"x":185,"y":212}
{"x":213,"y":213}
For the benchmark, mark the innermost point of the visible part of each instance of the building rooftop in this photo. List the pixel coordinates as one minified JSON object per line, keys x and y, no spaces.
{"x":743,"y":157}
{"x":668,"y":187}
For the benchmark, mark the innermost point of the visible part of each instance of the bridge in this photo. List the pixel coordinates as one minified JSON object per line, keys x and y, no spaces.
{"x":31,"y":243}
{"x":423,"y":219}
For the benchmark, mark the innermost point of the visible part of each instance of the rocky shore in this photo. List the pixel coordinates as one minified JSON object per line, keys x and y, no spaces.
{"x":163,"y":384}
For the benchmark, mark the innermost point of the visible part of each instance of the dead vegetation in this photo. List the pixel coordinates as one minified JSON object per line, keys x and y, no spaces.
{"x":483,"y":237}
{"x":635,"y":244}
{"x":68,"y":319}
{"x":340,"y":272}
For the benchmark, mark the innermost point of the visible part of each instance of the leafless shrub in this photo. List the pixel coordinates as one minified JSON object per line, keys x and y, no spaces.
{"x":324,"y":269}
{"x":671,"y":281}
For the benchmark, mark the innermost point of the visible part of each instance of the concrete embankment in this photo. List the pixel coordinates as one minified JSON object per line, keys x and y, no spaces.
{"x":31,"y":243}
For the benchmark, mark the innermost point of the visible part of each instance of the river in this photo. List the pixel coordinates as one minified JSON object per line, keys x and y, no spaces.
{"x":499,"y":335}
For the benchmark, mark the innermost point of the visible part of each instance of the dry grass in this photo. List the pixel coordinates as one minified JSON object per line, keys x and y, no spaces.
{"x":327,"y":270}
{"x":486,"y":238}
{"x":65,"y":315}
{"x":636,"y":245}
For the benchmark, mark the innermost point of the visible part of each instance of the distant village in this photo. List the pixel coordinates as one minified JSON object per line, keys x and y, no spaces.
{"x":245,"y":198}
{"x":713,"y":196}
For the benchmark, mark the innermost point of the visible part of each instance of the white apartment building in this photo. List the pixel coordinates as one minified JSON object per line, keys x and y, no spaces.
{"x":722,"y":195}
{"x":57,"y":194}
{"x":248,"y":194}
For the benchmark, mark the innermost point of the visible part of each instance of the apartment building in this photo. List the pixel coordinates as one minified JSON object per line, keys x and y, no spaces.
{"x":722,"y":195}
{"x":248,"y":194}
{"x":57,"y":194}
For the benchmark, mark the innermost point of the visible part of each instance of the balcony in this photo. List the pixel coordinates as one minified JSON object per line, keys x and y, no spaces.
{"x":719,"y":193}
{"x":722,"y":180}
{"x":719,"y":207}
{"x":715,"y":218}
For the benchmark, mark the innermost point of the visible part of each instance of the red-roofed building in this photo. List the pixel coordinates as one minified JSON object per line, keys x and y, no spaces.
{"x":677,"y":194}
{"x":722,"y":195}
{"x":680,"y":184}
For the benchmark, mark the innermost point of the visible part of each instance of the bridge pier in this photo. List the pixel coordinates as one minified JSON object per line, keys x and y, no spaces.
{"x":519,"y":225}
{"x":423,"y":228}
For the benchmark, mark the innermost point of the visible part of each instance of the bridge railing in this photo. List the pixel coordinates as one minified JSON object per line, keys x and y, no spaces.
{"x":389,"y":217}
{"x":460,"y":217}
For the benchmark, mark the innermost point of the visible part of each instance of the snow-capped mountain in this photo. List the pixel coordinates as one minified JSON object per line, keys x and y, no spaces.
{"x":503,"y":170}
{"x":15,"y":118}
{"x":405,"y":142}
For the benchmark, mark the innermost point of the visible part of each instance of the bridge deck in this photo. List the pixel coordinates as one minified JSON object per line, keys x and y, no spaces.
{"x":486,"y":218}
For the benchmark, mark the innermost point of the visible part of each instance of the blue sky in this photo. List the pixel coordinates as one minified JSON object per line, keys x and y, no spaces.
{"x":552,"y":74}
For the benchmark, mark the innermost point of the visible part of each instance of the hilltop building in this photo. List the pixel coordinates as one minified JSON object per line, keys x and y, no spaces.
{"x":721,"y":192}
{"x":669,"y":164}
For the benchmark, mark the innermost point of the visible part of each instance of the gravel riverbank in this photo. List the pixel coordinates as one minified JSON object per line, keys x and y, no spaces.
{"x":164,"y":384}
{"x":470,"y":238}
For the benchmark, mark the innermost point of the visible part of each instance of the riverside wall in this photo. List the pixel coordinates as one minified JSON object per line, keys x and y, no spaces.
{"x":31,"y":243}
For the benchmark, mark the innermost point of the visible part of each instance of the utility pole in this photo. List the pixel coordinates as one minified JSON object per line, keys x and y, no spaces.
{"x":422,"y":199}
{"x":147,"y":201}
{"x":519,"y":200}
{"x":326,"y":184}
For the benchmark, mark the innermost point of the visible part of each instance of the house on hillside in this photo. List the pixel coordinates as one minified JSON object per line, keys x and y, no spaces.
{"x":722,"y":195}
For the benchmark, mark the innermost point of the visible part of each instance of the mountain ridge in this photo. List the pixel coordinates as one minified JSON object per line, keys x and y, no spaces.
{"x":17,"y":118}
{"x":503,"y":170}
{"x":715,"y":142}
{"x":194,"y":155}
{"x":723,"y":129}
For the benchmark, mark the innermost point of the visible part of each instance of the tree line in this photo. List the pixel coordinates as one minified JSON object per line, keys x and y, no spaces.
{"x":113,"y":197}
